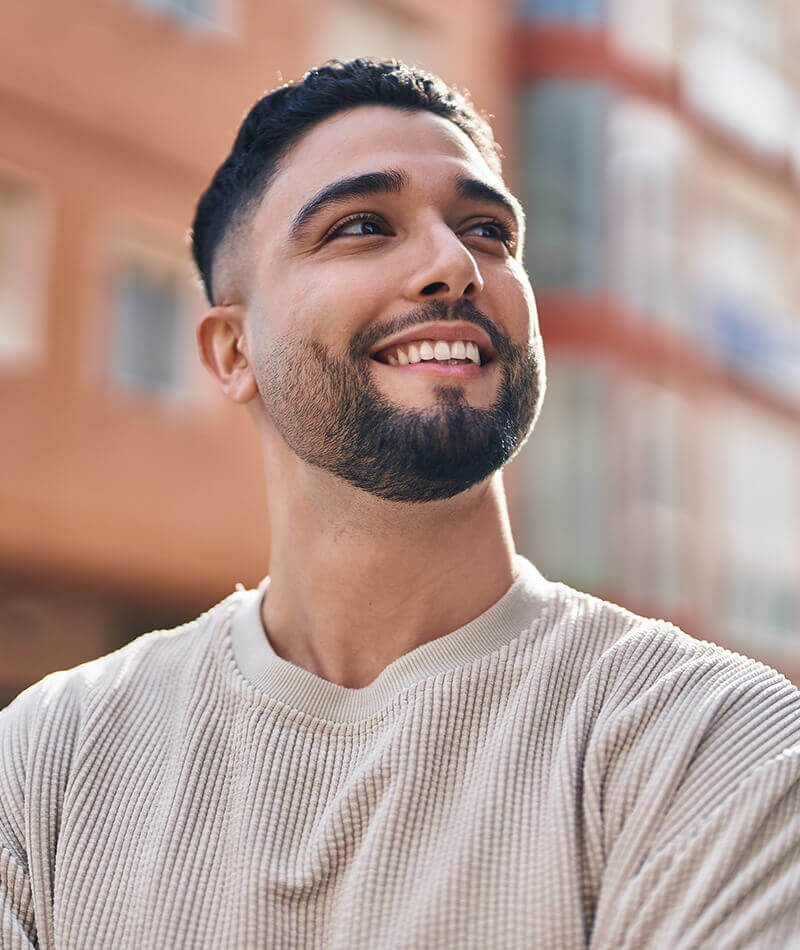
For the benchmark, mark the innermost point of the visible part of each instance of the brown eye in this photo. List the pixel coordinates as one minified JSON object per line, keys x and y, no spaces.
{"x":359,"y":226}
{"x":495,"y":230}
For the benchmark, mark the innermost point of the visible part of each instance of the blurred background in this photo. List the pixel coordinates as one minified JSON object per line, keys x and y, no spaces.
{"x":656,"y":146}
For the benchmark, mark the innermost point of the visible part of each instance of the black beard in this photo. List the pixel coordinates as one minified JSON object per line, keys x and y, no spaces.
{"x":331,"y":414}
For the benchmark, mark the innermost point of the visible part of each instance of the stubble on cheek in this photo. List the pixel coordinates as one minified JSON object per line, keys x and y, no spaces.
{"x":330,"y":412}
{"x":307,"y":392}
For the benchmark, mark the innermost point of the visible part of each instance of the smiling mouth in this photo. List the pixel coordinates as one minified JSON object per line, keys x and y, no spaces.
{"x":433,"y":353}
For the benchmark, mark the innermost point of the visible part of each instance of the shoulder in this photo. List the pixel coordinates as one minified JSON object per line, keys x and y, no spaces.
{"x":636,"y":666}
{"x":154,"y":656}
{"x":690,"y":784}
{"x":643,"y":690}
{"x":656,"y":670}
{"x":673,"y":727}
{"x":609,"y":654}
{"x":46,"y":726}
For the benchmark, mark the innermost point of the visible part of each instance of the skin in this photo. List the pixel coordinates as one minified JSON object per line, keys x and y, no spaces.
{"x":356,"y":580}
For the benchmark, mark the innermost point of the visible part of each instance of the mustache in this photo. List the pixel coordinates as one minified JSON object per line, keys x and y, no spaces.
{"x":464,"y":310}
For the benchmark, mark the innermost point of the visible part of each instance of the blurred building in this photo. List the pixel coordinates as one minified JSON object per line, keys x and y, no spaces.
{"x":654,"y":147}
{"x":660,"y":166}
{"x":131,"y":492}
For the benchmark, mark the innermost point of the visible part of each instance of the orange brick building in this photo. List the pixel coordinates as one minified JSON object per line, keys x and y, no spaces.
{"x":131,"y":494}
{"x":660,"y":168}
{"x":662,"y":473}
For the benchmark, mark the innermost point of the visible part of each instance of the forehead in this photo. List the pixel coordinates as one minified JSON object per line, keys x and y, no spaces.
{"x":368,"y":139}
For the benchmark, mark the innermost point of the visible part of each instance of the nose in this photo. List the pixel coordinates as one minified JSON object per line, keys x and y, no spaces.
{"x":447,"y":270}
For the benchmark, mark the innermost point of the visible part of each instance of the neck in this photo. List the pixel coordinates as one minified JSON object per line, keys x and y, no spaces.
{"x":356,"y":582}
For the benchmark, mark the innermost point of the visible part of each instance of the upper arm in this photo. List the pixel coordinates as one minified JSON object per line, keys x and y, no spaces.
{"x":731,"y":878}
{"x":37,"y":738}
{"x":694,"y":805}
{"x":17,"y":926}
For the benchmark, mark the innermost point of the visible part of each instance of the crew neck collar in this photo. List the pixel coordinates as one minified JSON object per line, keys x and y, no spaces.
{"x":522,"y":605}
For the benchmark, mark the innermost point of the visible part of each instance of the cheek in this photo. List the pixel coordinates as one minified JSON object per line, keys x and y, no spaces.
{"x":531,"y":316}
{"x":513,"y":303}
{"x":332,"y":304}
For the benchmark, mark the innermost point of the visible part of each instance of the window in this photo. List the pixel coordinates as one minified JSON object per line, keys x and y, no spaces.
{"x":645,"y":159}
{"x":794,"y":132}
{"x":644,"y":31}
{"x":759,"y":494}
{"x":654,"y":524}
{"x":741,"y":297}
{"x":601,"y":491}
{"x":22,"y":273}
{"x":150,"y":337}
{"x":732,"y":70}
{"x":193,"y":13}
{"x":563,"y":146}
{"x":582,"y":12}
{"x":562,"y":477}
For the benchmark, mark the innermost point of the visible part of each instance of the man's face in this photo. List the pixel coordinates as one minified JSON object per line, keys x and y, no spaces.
{"x":383,"y":233}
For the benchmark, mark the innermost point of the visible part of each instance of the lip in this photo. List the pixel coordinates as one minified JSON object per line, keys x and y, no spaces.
{"x":469,"y":332}
{"x":432,"y":368}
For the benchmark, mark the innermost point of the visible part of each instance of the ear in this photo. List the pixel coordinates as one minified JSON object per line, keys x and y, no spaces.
{"x":223,"y":349}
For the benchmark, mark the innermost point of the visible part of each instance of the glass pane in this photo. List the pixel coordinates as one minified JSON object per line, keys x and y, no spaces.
{"x":22,"y":254}
{"x":7,"y":310}
{"x":562,"y":160}
{"x":733,"y":70}
{"x":644,"y":159}
{"x":190,"y":10}
{"x":645,"y":31}
{"x":148,"y":308}
{"x":586,"y":12}
{"x":563,"y":478}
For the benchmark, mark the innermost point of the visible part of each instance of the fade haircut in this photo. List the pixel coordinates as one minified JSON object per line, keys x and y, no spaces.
{"x":281,"y":117}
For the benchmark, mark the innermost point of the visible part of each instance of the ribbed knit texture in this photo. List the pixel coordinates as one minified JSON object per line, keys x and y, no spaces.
{"x":559,"y":773}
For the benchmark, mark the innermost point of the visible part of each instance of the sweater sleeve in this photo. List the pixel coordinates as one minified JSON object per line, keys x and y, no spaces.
{"x":731,"y":879}
{"x":695,"y":803}
{"x":17,"y":929}
{"x":17,"y":926}
{"x":37,"y":738}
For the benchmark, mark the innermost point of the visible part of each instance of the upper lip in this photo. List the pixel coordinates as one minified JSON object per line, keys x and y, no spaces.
{"x":452,"y":330}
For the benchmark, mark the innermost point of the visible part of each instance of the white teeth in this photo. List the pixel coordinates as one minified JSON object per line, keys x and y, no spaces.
{"x":439,"y":350}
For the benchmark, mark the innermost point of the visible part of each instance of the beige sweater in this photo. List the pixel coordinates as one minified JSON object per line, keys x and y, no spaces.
{"x":558,"y":773}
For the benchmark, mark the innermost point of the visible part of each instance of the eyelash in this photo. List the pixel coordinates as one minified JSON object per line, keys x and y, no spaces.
{"x":352,"y":219}
{"x":505,"y":235}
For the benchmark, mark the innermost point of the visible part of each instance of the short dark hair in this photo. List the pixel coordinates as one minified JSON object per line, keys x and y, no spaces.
{"x":281,"y":117}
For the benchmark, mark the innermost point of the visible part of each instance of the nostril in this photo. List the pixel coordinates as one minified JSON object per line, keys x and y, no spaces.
{"x":434,"y":288}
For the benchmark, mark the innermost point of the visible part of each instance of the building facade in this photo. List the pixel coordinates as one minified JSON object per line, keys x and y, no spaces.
{"x":131,"y":492}
{"x":660,"y":169}
{"x":653,"y":147}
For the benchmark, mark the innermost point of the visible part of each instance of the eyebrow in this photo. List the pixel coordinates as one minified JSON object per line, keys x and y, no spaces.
{"x":392,"y":181}
{"x":344,"y":189}
{"x":479,"y":190}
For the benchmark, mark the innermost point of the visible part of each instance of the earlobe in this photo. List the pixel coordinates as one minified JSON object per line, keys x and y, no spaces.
{"x":223,"y":350}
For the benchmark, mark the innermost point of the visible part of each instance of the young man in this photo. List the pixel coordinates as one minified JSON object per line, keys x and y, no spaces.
{"x":406,"y":737}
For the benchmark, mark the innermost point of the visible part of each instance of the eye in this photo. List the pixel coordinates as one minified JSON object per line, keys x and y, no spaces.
{"x":494,"y":230}
{"x":358,"y":225}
